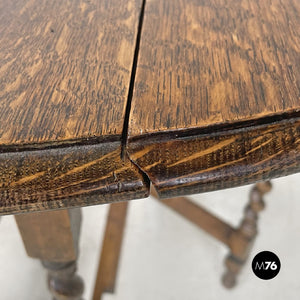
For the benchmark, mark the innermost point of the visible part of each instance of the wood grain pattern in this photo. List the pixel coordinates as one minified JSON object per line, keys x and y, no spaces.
{"x":209,"y":62}
{"x":216,"y":161}
{"x":216,"y":102}
{"x":111,"y":249}
{"x":67,"y":177}
{"x":53,"y":237}
{"x":65,"y":68}
{"x":216,"y":99}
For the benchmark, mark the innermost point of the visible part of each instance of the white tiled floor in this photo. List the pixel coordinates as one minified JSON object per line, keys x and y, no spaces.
{"x":166,"y":258}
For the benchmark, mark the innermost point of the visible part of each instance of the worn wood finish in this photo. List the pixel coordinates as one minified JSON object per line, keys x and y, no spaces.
{"x":221,"y":160}
{"x":63,"y":282}
{"x":243,"y":238}
{"x":213,"y":62}
{"x":65,"y":69}
{"x":110,"y":253}
{"x":66,"y":177}
{"x":239,"y":240}
{"x":216,"y":98}
{"x":53,"y":238}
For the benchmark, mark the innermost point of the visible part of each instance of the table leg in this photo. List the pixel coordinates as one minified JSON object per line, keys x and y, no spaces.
{"x":242,"y":239}
{"x":239,"y":240}
{"x":111,"y":249}
{"x":53,"y":238}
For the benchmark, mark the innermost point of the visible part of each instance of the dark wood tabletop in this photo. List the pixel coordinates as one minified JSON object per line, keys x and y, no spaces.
{"x":216,"y":101}
{"x":100,"y":98}
{"x":65,"y":69}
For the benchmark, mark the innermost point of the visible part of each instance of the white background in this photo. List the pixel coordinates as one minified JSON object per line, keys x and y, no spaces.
{"x":164,"y":257}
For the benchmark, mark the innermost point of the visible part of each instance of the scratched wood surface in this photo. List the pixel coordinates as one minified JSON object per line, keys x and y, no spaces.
{"x":65,"y":68}
{"x":208,"y":62}
{"x":211,"y":78}
{"x":67,"y":177}
{"x":216,"y":102}
{"x":181,"y":166}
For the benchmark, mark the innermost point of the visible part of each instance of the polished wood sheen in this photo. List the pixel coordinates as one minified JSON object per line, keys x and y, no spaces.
{"x":216,"y":101}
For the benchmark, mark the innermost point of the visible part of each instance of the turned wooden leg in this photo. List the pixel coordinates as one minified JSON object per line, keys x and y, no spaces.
{"x":53,"y":238}
{"x":242,"y":239}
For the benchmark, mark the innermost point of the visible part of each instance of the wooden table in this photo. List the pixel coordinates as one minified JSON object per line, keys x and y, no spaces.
{"x":100,"y":98}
